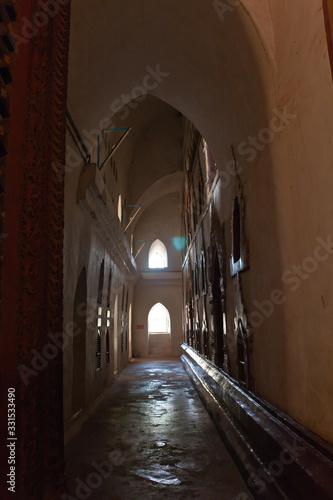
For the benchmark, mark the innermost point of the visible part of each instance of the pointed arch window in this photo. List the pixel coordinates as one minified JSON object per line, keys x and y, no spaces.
{"x":99,"y":317}
{"x":159,"y":320}
{"x":98,"y":350}
{"x":236,"y":232}
{"x":100,"y":283}
{"x":242,"y":355}
{"x":108,"y":298}
{"x":107,"y":348}
{"x":119,"y":208}
{"x":158,"y":255}
{"x":239,"y":253}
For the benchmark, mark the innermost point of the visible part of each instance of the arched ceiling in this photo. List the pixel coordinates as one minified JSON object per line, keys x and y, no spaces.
{"x":150,"y":160}
{"x":212,"y":66}
{"x":151,"y":150}
{"x":157,"y":145}
{"x":191,"y":58}
{"x":170,"y":183}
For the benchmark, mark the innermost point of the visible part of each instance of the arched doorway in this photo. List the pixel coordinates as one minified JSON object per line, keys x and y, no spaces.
{"x":159,"y":331}
{"x":79,"y":344}
{"x":50,"y":201}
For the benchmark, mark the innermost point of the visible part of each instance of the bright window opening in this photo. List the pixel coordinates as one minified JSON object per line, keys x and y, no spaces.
{"x":119,"y":207}
{"x":236,"y":232}
{"x":158,"y":319}
{"x":158,"y":256}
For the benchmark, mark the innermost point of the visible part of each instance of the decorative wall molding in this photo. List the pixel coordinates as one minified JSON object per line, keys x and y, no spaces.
{"x":94,"y":199}
{"x":204,"y":214}
{"x":32,"y":306}
{"x":8,"y":16}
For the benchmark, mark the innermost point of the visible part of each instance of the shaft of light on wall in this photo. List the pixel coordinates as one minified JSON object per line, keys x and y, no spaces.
{"x":114,"y":148}
{"x":137,"y":253}
{"x":133,"y":217}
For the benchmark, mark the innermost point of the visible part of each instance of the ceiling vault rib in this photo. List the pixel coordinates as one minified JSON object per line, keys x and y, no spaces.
{"x":114,"y":147}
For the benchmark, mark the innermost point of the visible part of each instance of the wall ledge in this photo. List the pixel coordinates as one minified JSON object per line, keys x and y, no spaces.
{"x":94,"y":199}
{"x":279,"y":458}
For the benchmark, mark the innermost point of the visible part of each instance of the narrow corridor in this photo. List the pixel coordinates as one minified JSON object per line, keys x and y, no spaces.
{"x":151,"y":438}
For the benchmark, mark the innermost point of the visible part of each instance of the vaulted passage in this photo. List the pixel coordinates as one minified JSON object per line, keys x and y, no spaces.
{"x":151,"y":438}
{"x":166,"y":196}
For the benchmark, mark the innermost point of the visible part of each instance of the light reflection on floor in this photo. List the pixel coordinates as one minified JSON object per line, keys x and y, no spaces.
{"x":156,"y":439}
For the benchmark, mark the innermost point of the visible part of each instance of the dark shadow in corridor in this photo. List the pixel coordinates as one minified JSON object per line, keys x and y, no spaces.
{"x":151,"y":438}
{"x":79,"y":344}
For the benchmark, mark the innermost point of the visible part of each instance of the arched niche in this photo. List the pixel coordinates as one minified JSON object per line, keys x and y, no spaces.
{"x":79,"y":344}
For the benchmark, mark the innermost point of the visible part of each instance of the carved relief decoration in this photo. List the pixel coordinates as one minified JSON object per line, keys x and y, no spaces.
{"x":218,"y":280}
{"x":38,"y":140}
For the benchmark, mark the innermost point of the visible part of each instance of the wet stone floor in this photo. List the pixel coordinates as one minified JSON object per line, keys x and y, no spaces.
{"x":151,"y":438}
